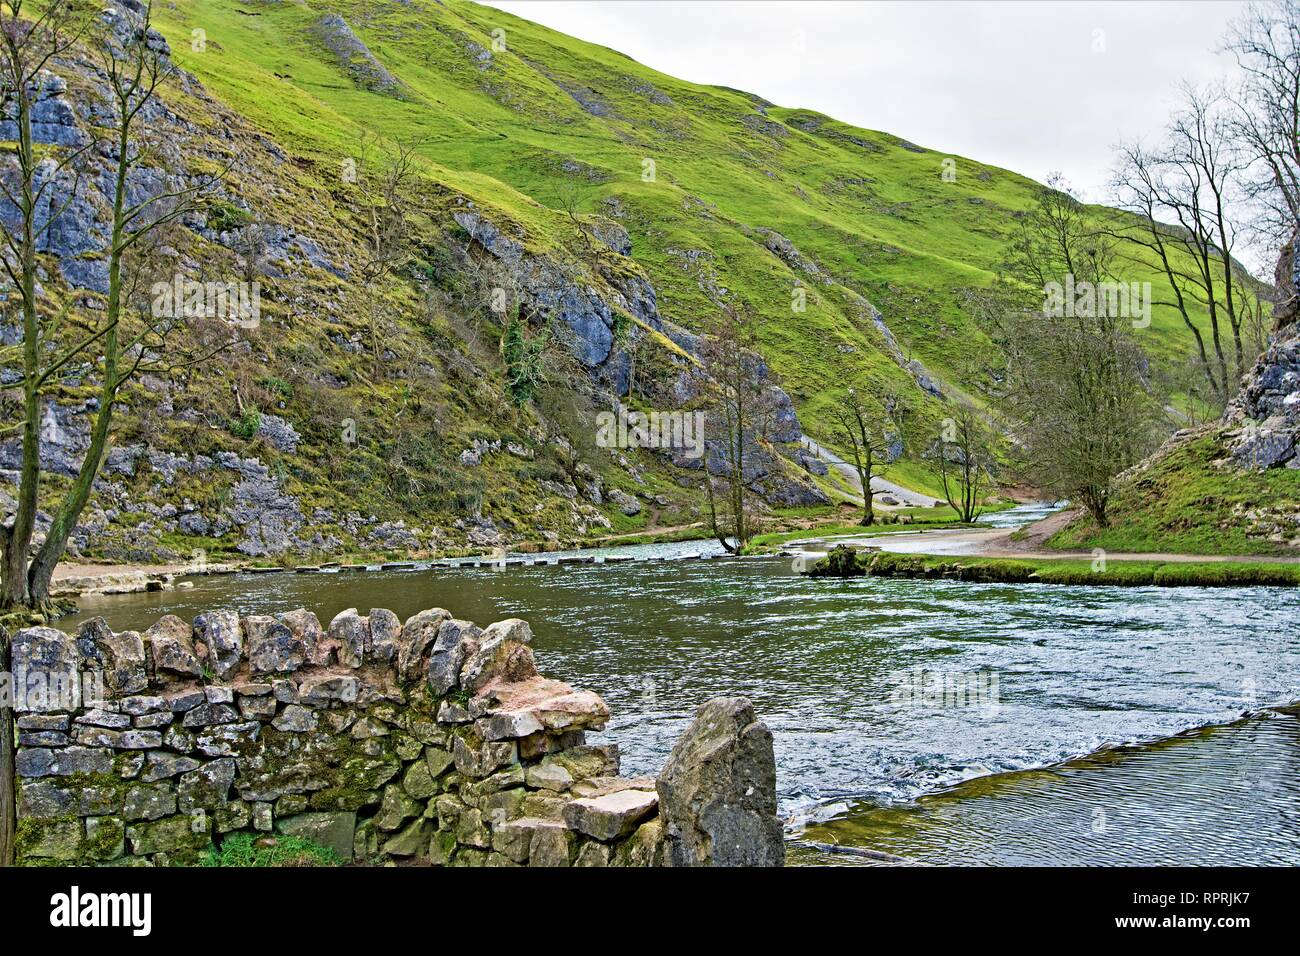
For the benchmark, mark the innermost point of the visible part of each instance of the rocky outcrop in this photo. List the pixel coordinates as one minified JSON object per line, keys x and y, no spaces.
{"x":1265,"y":415}
{"x":588,"y":314}
{"x":354,"y":57}
{"x":431,"y":741}
{"x":717,"y":792}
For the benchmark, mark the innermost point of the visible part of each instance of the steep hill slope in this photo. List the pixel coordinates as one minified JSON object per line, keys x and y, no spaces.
{"x":624,"y":206}
{"x":866,"y":215}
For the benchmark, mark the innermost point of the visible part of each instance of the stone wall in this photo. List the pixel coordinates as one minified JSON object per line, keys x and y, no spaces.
{"x":430,"y":740}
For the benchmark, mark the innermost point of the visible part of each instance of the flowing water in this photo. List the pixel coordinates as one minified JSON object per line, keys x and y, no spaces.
{"x":905,"y":713}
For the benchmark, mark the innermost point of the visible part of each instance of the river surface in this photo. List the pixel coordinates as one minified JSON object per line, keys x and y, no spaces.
{"x":905,"y":713}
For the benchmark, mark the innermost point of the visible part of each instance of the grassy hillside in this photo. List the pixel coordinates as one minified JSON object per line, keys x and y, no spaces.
{"x":518,"y":128}
{"x":404,"y":437}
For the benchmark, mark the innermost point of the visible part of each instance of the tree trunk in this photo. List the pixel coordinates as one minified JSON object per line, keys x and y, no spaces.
{"x":13,"y":574}
{"x":65,"y":518}
{"x":8,"y":777}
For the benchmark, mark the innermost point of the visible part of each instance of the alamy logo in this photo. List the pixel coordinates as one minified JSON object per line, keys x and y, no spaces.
{"x":1092,"y":300}
{"x":239,"y":303}
{"x":677,"y":430}
{"x":920,"y":687}
{"x":75,"y":909}
{"x":41,"y":690}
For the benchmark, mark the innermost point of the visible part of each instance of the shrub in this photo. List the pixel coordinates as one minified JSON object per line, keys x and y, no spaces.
{"x":841,"y":562}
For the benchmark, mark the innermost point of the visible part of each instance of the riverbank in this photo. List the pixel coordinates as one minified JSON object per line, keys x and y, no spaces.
{"x":1014,"y":553}
{"x":1128,"y":572}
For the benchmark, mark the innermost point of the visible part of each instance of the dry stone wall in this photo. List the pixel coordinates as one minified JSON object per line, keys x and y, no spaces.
{"x":430,"y":740}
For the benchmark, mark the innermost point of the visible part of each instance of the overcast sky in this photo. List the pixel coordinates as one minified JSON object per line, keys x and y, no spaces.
{"x":1032,"y":87}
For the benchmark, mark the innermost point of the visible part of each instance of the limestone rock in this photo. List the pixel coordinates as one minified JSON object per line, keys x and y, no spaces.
{"x":167,"y":835}
{"x":58,"y":840}
{"x":332,"y":830}
{"x":502,"y":655}
{"x":645,"y":847}
{"x":456,"y":641}
{"x":306,"y":629}
{"x":272,"y":647}
{"x":220,"y":633}
{"x":417,"y":638}
{"x":159,"y":764}
{"x":172,"y":645}
{"x":612,"y":815}
{"x":418,"y":782}
{"x":207,"y":787}
{"x":552,"y":846}
{"x":412,"y":841}
{"x":296,"y":718}
{"x":717,"y":792}
{"x":149,"y":801}
{"x":396,"y":808}
{"x":349,"y":633}
{"x":45,"y":664}
{"x":328,"y":691}
{"x":121,"y":656}
{"x":385,"y":629}
{"x":539,"y":702}
{"x":478,"y":758}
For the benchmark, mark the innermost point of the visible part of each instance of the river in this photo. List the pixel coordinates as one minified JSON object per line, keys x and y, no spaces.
{"x":936,"y":720}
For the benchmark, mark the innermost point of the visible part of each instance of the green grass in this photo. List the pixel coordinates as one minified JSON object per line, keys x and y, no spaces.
{"x":1083,"y":572}
{"x":873,"y":214}
{"x":249,"y":850}
{"x":1185,"y":502}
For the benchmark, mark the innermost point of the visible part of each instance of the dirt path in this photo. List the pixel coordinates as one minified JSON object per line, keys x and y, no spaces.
{"x":641,"y":534}
{"x":906,"y":496}
{"x":70,"y":569}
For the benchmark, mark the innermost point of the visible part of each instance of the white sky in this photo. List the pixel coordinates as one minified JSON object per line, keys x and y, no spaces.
{"x":1014,"y":84}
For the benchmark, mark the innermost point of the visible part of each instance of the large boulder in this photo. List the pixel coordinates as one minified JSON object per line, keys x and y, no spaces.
{"x":717,"y":792}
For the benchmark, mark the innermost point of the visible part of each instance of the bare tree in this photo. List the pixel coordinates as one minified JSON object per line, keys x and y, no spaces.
{"x":118,"y":340}
{"x":735,"y":382}
{"x":385,"y":187}
{"x":1186,"y":192}
{"x":569,"y":197}
{"x":859,"y":432}
{"x":251,"y":245}
{"x":1265,"y":123}
{"x":26,"y":47}
{"x":964,"y":461}
{"x":1074,"y":384}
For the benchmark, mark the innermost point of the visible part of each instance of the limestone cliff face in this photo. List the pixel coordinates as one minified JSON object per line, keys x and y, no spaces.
{"x":1266,"y":414}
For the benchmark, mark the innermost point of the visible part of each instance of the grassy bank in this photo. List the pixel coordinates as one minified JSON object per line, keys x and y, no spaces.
{"x":1184,"y":501}
{"x":1061,"y":571}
